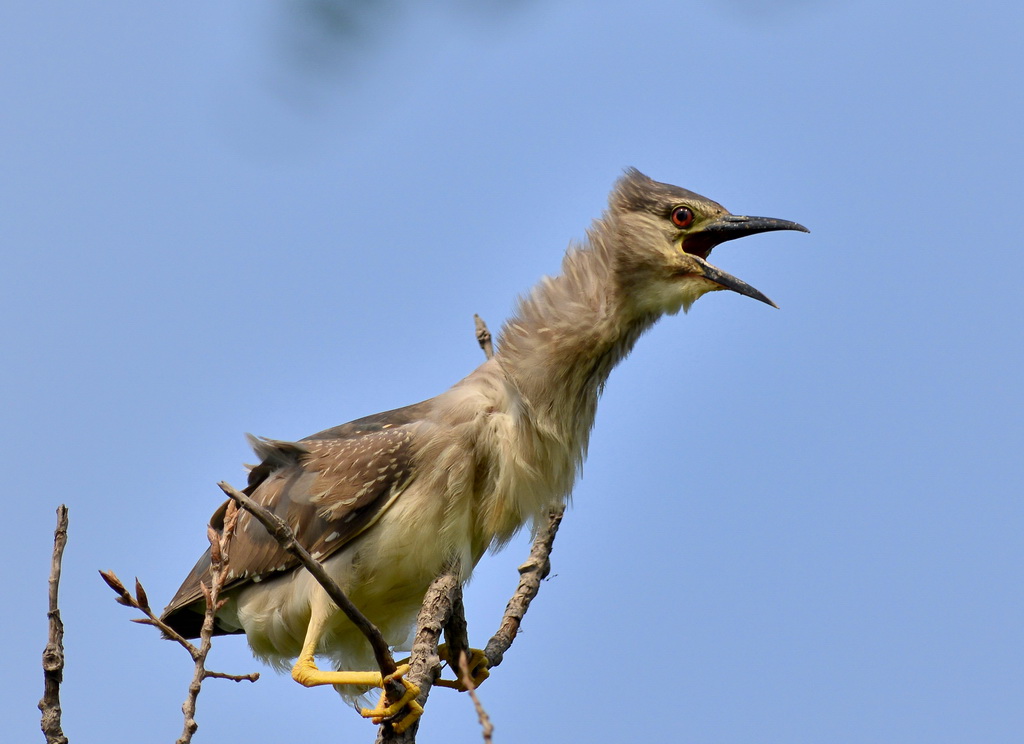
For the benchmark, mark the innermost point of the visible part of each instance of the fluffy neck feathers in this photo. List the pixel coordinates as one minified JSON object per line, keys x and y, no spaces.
{"x":568,"y":333}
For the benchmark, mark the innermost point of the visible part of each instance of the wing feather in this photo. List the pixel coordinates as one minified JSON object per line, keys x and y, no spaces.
{"x":328,"y":490}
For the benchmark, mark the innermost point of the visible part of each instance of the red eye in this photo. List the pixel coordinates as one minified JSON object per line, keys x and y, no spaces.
{"x":682,"y":217}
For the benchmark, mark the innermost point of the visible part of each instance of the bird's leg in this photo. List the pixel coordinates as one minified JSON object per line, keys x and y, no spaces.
{"x":476,"y":664}
{"x":306,"y":673}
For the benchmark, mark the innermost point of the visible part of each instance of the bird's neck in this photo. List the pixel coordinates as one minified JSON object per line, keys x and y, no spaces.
{"x":553,"y":358}
{"x":566,"y":336}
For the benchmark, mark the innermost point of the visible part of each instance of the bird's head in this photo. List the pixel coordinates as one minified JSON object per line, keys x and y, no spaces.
{"x":662,"y":237}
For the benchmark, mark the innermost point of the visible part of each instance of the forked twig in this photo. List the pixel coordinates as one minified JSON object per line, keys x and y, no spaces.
{"x":219,"y":546}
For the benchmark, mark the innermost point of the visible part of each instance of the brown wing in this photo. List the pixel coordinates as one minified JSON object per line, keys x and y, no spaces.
{"x":328,"y":490}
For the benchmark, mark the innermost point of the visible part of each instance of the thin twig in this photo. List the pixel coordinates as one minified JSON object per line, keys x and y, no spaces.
{"x":424,"y":663}
{"x":219,"y":549}
{"x":286,"y":539}
{"x":467,"y":680}
{"x":207,"y":674}
{"x":483,"y":336}
{"x":142,"y":605}
{"x":218,"y":574}
{"x":53,"y":654}
{"x":531,"y":573}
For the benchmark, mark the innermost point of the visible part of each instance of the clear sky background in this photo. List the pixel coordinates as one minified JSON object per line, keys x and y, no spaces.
{"x":795,"y":525}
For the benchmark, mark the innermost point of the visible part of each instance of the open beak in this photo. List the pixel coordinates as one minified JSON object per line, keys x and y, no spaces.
{"x":728,"y":281}
{"x":730,"y":227}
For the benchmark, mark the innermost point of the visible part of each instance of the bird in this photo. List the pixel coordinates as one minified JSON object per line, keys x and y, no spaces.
{"x":388,"y":501}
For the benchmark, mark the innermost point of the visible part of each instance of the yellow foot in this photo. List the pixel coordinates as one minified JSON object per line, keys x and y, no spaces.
{"x":305,"y":673}
{"x":477,"y":665}
{"x":383,"y":711}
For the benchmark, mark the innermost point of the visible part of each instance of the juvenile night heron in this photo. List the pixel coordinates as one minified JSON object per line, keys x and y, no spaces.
{"x":387,"y":501}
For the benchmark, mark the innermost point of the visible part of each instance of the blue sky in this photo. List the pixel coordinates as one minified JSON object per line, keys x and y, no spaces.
{"x":795,"y":525}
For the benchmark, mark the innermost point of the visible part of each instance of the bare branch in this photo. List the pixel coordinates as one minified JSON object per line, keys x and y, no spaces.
{"x":53,"y":653}
{"x":531,"y":573}
{"x":251,"y":677}
{"x":218,"y":572}
{"x":424,"y":663}
{"x":481,"y":714}
{"x":483,"y":336}
{"x":456,"y":632}
{"x":219,"y":550}
{"x":286,"y":539}
{"x":442,"y":609}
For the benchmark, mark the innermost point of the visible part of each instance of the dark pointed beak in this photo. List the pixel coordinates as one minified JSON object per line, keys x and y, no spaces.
{"x":730,"y":227}
{"x":728,"y":281}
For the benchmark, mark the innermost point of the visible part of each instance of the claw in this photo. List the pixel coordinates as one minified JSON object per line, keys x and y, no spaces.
{"x":383,"y":711}
{"x":477,"y":666}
